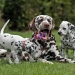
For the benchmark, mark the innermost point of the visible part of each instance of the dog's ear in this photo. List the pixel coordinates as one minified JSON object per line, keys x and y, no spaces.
{"x":53,"y":24}
{"x":31,"y":25}
{"x":71,"y":26}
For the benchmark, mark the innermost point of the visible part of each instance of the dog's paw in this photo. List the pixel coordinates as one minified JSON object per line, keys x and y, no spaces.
{"x":10,"y":61}
{"x":49,"y":62}
{"x":62,"y":60}
{"x":59,"y":58}
{"x":45,"y":61}
{"x":67,"y":61}
{"x":16,"y":61}
{"x":70,"y":61}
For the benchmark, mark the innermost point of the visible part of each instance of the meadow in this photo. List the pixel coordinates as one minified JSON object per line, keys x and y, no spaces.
{"x":37,"y":68}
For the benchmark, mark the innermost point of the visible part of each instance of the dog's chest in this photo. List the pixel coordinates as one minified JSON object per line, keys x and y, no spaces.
{"x":68,"y":42}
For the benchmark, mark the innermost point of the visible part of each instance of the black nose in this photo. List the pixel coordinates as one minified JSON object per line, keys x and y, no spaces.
{"x":59,"y":33}
{"x":46,"y":25}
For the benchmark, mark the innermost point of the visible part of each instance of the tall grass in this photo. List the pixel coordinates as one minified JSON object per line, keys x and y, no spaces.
{"x":37,"y":68}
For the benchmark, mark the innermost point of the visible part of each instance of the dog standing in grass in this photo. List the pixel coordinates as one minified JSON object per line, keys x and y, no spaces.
{"x":11,"y":43}
{"x":67,"y":33}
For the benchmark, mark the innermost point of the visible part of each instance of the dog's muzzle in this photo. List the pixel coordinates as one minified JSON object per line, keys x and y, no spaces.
{"x":59,"y":33}
{"x":46,"y":25}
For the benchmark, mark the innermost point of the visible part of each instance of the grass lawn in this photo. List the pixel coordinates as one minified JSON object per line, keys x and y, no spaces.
{"x":38,"y":68}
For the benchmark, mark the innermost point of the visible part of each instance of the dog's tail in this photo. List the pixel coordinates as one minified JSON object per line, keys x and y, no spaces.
{"x":2,"y":30}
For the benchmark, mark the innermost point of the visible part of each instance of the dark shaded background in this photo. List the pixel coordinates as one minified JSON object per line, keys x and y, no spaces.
{"x":21,"y":12}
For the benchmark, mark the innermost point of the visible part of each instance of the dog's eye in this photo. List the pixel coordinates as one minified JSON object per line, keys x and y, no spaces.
{"x":64,"y":28}
{"x":49,"y":21}
{"x":39,"y":21}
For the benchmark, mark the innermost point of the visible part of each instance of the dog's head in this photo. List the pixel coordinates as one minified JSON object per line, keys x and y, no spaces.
{"x":25,"y":56}
{"x":65,"y":28}
{"x":32,"y":49}
{"x":42,"y":23}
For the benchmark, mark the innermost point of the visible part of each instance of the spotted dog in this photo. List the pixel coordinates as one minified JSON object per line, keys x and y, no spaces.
{"x":11,"y":43}
{"x":66,"y":31}
{"x":15,"y":44}
{"x":45,"y":23}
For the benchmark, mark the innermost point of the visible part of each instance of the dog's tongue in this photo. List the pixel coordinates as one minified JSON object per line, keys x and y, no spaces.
{"x":44,"y":38}
{"x":43,"y":35}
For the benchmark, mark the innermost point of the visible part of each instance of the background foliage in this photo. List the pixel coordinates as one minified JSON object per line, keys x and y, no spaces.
{"x":21,"y":12}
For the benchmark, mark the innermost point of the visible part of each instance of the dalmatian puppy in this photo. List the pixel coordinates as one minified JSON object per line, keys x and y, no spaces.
{"x":45,"y":23}
{"x":15,"y":44}
{"x":66,"y":31}
{"x":11,"y":43}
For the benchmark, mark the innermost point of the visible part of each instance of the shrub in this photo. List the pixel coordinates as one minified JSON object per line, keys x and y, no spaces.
{"x":21,"y":12}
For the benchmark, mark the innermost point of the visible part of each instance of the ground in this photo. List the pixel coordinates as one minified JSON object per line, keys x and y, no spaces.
{"x":38,"y":68}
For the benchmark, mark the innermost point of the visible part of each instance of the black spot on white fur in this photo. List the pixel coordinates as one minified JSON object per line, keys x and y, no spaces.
{"x":3,"y":42}
{"x":12,"y":43}
{"x":5,"y":36}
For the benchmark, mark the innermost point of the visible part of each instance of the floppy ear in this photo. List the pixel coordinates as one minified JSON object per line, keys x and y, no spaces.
{"x":53,"y":25}
{"x":71,"y":27}
{"x":31,"y":25}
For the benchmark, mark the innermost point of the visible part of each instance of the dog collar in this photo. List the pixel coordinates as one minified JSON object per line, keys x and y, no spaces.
{"x":23,"y":45}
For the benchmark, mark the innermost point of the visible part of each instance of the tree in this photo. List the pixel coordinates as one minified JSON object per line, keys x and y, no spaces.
{"x":21,"y":12}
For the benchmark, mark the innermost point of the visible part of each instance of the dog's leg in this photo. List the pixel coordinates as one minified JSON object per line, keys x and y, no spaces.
{"x":56,"y":52}
{"x":15,"y":56}
{"x":74,"y":56}
{"x":9,"y":58}
{"x":31,"y":59}
{"x":66,"y":55}
{"x":62,"y":52}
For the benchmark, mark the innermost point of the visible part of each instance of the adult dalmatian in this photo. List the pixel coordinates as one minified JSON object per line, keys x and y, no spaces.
{"x":66,"y":31}
{"x":45,"y":23}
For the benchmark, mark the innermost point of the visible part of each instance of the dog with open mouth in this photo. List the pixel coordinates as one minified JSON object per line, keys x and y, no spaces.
{"x":42,"y":26}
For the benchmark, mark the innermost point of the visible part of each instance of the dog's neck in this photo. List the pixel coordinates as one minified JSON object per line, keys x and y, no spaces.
{"x":41,"y":43}
{"x":70,"y":35}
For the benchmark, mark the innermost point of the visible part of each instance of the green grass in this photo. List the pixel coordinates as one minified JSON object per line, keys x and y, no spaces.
{"x":38,"y":68}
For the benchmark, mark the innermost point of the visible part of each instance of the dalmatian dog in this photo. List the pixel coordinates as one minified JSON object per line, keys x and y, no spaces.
{"x":66,"y":31}
{"x":45,"y":23}
{"x":10,"y":43}
{"x":15,"y":45}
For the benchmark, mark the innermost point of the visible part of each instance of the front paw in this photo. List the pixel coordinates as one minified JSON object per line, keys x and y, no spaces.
{"x":45,"y":61}
{"x":16,"y":61}
{"x":59,"y":58}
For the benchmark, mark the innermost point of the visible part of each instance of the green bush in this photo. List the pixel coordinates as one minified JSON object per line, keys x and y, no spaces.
{"x":21,"y":12}
{"x":2,"y":4}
